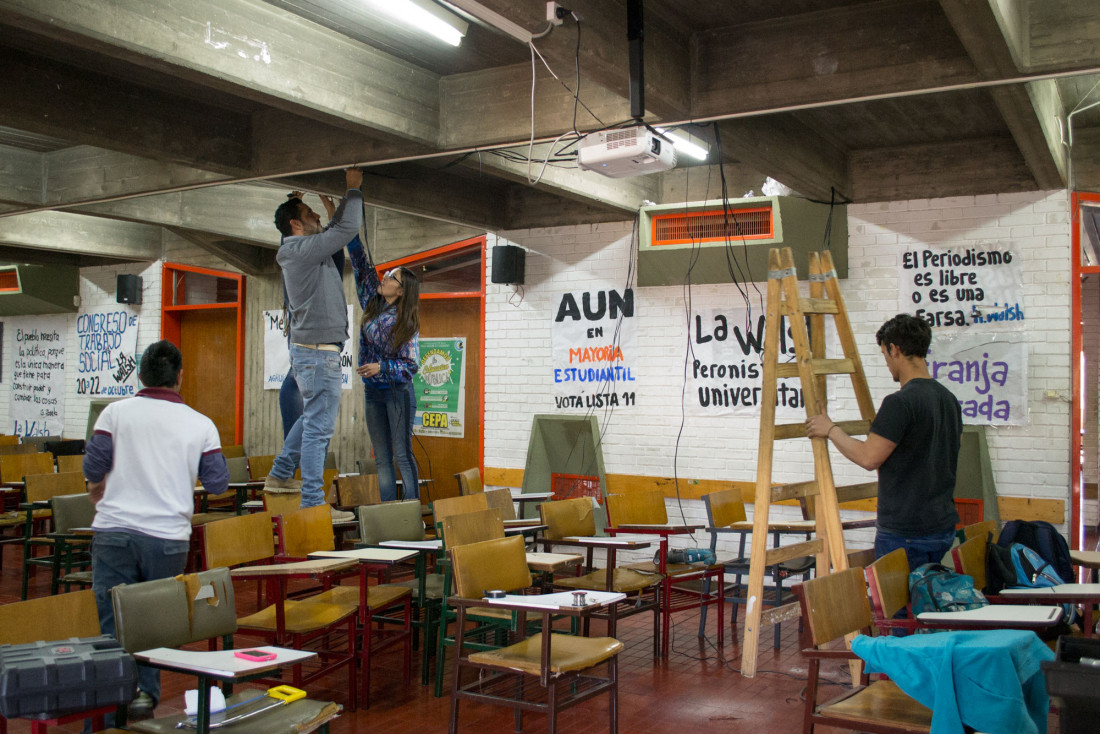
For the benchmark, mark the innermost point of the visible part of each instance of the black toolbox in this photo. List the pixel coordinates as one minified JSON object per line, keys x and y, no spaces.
{"x":1073,"y":685}
{"x":44,"y":680}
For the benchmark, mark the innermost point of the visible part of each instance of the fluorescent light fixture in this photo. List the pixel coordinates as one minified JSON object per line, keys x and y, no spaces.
{"x":423,"y":15}
{"x":687,"y":143}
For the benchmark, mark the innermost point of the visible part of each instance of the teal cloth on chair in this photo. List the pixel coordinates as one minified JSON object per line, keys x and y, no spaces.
{"x":989,"y":680}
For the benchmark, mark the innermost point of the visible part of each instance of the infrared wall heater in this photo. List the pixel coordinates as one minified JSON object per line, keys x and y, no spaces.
{"x":674,"y":236}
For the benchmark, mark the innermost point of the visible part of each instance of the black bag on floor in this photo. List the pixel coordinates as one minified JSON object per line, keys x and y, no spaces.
{"x":1044,"y":539}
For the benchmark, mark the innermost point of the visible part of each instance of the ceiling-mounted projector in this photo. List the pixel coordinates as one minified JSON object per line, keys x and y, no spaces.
{"x":630,"y":151}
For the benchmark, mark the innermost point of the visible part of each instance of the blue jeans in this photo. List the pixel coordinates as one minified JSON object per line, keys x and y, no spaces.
{"x":123,"y":558}
{"x":317,"y":372}
{"x":290,"y":403}
{"x":390,"y":414}
{"x":919,"y":551}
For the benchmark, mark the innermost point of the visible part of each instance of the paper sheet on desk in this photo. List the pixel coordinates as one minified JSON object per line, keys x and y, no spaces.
{"x":220,"y":662}
{"x":558,"y":600}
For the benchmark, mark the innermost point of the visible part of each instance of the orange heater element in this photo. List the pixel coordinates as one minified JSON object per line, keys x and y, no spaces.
{"x":715,"y":225}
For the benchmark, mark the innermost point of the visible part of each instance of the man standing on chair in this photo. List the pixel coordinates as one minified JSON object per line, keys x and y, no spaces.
{"x":914,"y":446}
{"x":141,"y":464}
{"x":318,"y":330}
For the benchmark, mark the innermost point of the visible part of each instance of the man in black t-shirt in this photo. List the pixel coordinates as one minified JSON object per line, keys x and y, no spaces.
{"x":914,"y":446}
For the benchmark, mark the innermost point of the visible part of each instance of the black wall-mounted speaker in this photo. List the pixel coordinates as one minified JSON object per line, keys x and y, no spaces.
{"x":508,"y":264}
{"x":128,"y":289}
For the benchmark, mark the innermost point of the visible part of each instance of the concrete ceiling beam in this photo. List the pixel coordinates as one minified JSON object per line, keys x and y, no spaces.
{"x":86,"y":108}
{"x":78,"y":234}
{"x":791,"y":153}
{"x":993,"y":42}
{"x":825,"y":57}
{"x":604,"y":52}
{"x":250,"y":49}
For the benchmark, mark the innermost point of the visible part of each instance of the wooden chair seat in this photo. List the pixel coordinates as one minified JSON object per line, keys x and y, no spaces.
{"x":623,"y":580}
{"x":881,"y":702}
{"x":567,"y":653}
{"x":302,"y":617}
{"x":378,"y":596}
{"x":672,"y":570}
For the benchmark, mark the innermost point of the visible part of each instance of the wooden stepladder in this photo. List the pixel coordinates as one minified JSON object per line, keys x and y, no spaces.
{"x":811,"y":368}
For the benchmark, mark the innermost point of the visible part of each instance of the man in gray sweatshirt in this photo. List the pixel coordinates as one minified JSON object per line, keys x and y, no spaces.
{"x":318,"y":330}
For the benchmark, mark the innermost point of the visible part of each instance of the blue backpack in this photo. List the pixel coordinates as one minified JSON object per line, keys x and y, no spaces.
{"x":936,"y":588}
{"x":1044,"y":539}
{"x":1032,"y":571}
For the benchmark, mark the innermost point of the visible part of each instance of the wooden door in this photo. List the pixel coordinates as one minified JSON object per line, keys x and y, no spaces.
{"x":208,"y":341}
{"x":440,"y":458}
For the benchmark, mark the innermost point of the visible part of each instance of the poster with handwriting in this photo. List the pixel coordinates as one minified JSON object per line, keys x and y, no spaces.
{"x":277,"y":355}
{"x":440,"y":384}
{"x":38,"y":374}
{"x":962,"y":288}
{"x":986,"y":372}
{"x":594,"y":337}
{"x":725,"y":368}
{"x":106,"y":352}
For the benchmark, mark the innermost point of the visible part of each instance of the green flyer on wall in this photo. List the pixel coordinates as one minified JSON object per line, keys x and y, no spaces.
{"x":441,"y":388}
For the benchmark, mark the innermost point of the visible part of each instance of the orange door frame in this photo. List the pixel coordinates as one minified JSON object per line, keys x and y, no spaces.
{"x":173,"y":280}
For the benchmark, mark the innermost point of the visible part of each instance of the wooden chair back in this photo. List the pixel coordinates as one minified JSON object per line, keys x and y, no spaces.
{"x":304,"y":531}
{"x":969,"y":558}
{"x":238,"y":540}
{"x":13,"y":467}
{"x":282,"y":503}
{"x":233,"y":452}
{"x":888,"y":583}
{"x":9,"y":439}
{"x":56,"y":617}
{"x":861,"y":558}
{"x":70,"y":463}
{"x":982,"y":529}
{"x":472,"y":527}
{"x":834,"y":605}
{"x":724,"y":508}
{"x":469,"y":481}
{"x":568,"y":518}
{"x":636,"y":508}
{"x":447,"y":506}
{"x":501,"y":500}
{"x":260,"y":466}
{"x":492,"y":564}
{"x":391,"y":521}
{"x":238,"y":469}
{"x":18,"y":448}
{"x":356,"y":490}
{"x":44,"y":487}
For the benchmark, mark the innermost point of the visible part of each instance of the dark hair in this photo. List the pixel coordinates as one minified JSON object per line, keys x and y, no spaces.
{"x":407,"y":323}
{"x":908,"y":333}
{"x":161,"y":365}
{"x":289,"y":209}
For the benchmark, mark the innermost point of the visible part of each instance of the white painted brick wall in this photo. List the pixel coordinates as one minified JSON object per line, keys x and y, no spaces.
{"x":1029,"y":461}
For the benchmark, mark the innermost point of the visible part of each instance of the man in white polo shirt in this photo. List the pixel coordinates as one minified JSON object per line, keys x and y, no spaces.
{"x":141,"y":463}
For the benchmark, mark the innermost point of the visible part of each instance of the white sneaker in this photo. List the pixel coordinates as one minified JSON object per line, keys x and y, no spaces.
{"x":341,"y":516}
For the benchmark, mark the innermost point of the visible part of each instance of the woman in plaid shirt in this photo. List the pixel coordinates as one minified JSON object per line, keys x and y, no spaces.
{"x":389,"y":355}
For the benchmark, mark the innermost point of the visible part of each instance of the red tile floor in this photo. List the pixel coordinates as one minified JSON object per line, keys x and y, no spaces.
{"x":698,"y":689}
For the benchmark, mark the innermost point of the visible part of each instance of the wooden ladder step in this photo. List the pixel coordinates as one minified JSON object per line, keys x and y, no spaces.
{"x":818,"y":367}
{"x":811,"y":305}
{"x":846,"y":493}
{"x":794,"y":550}
{"x":775,"y":615}
{"x":784,"y":431}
